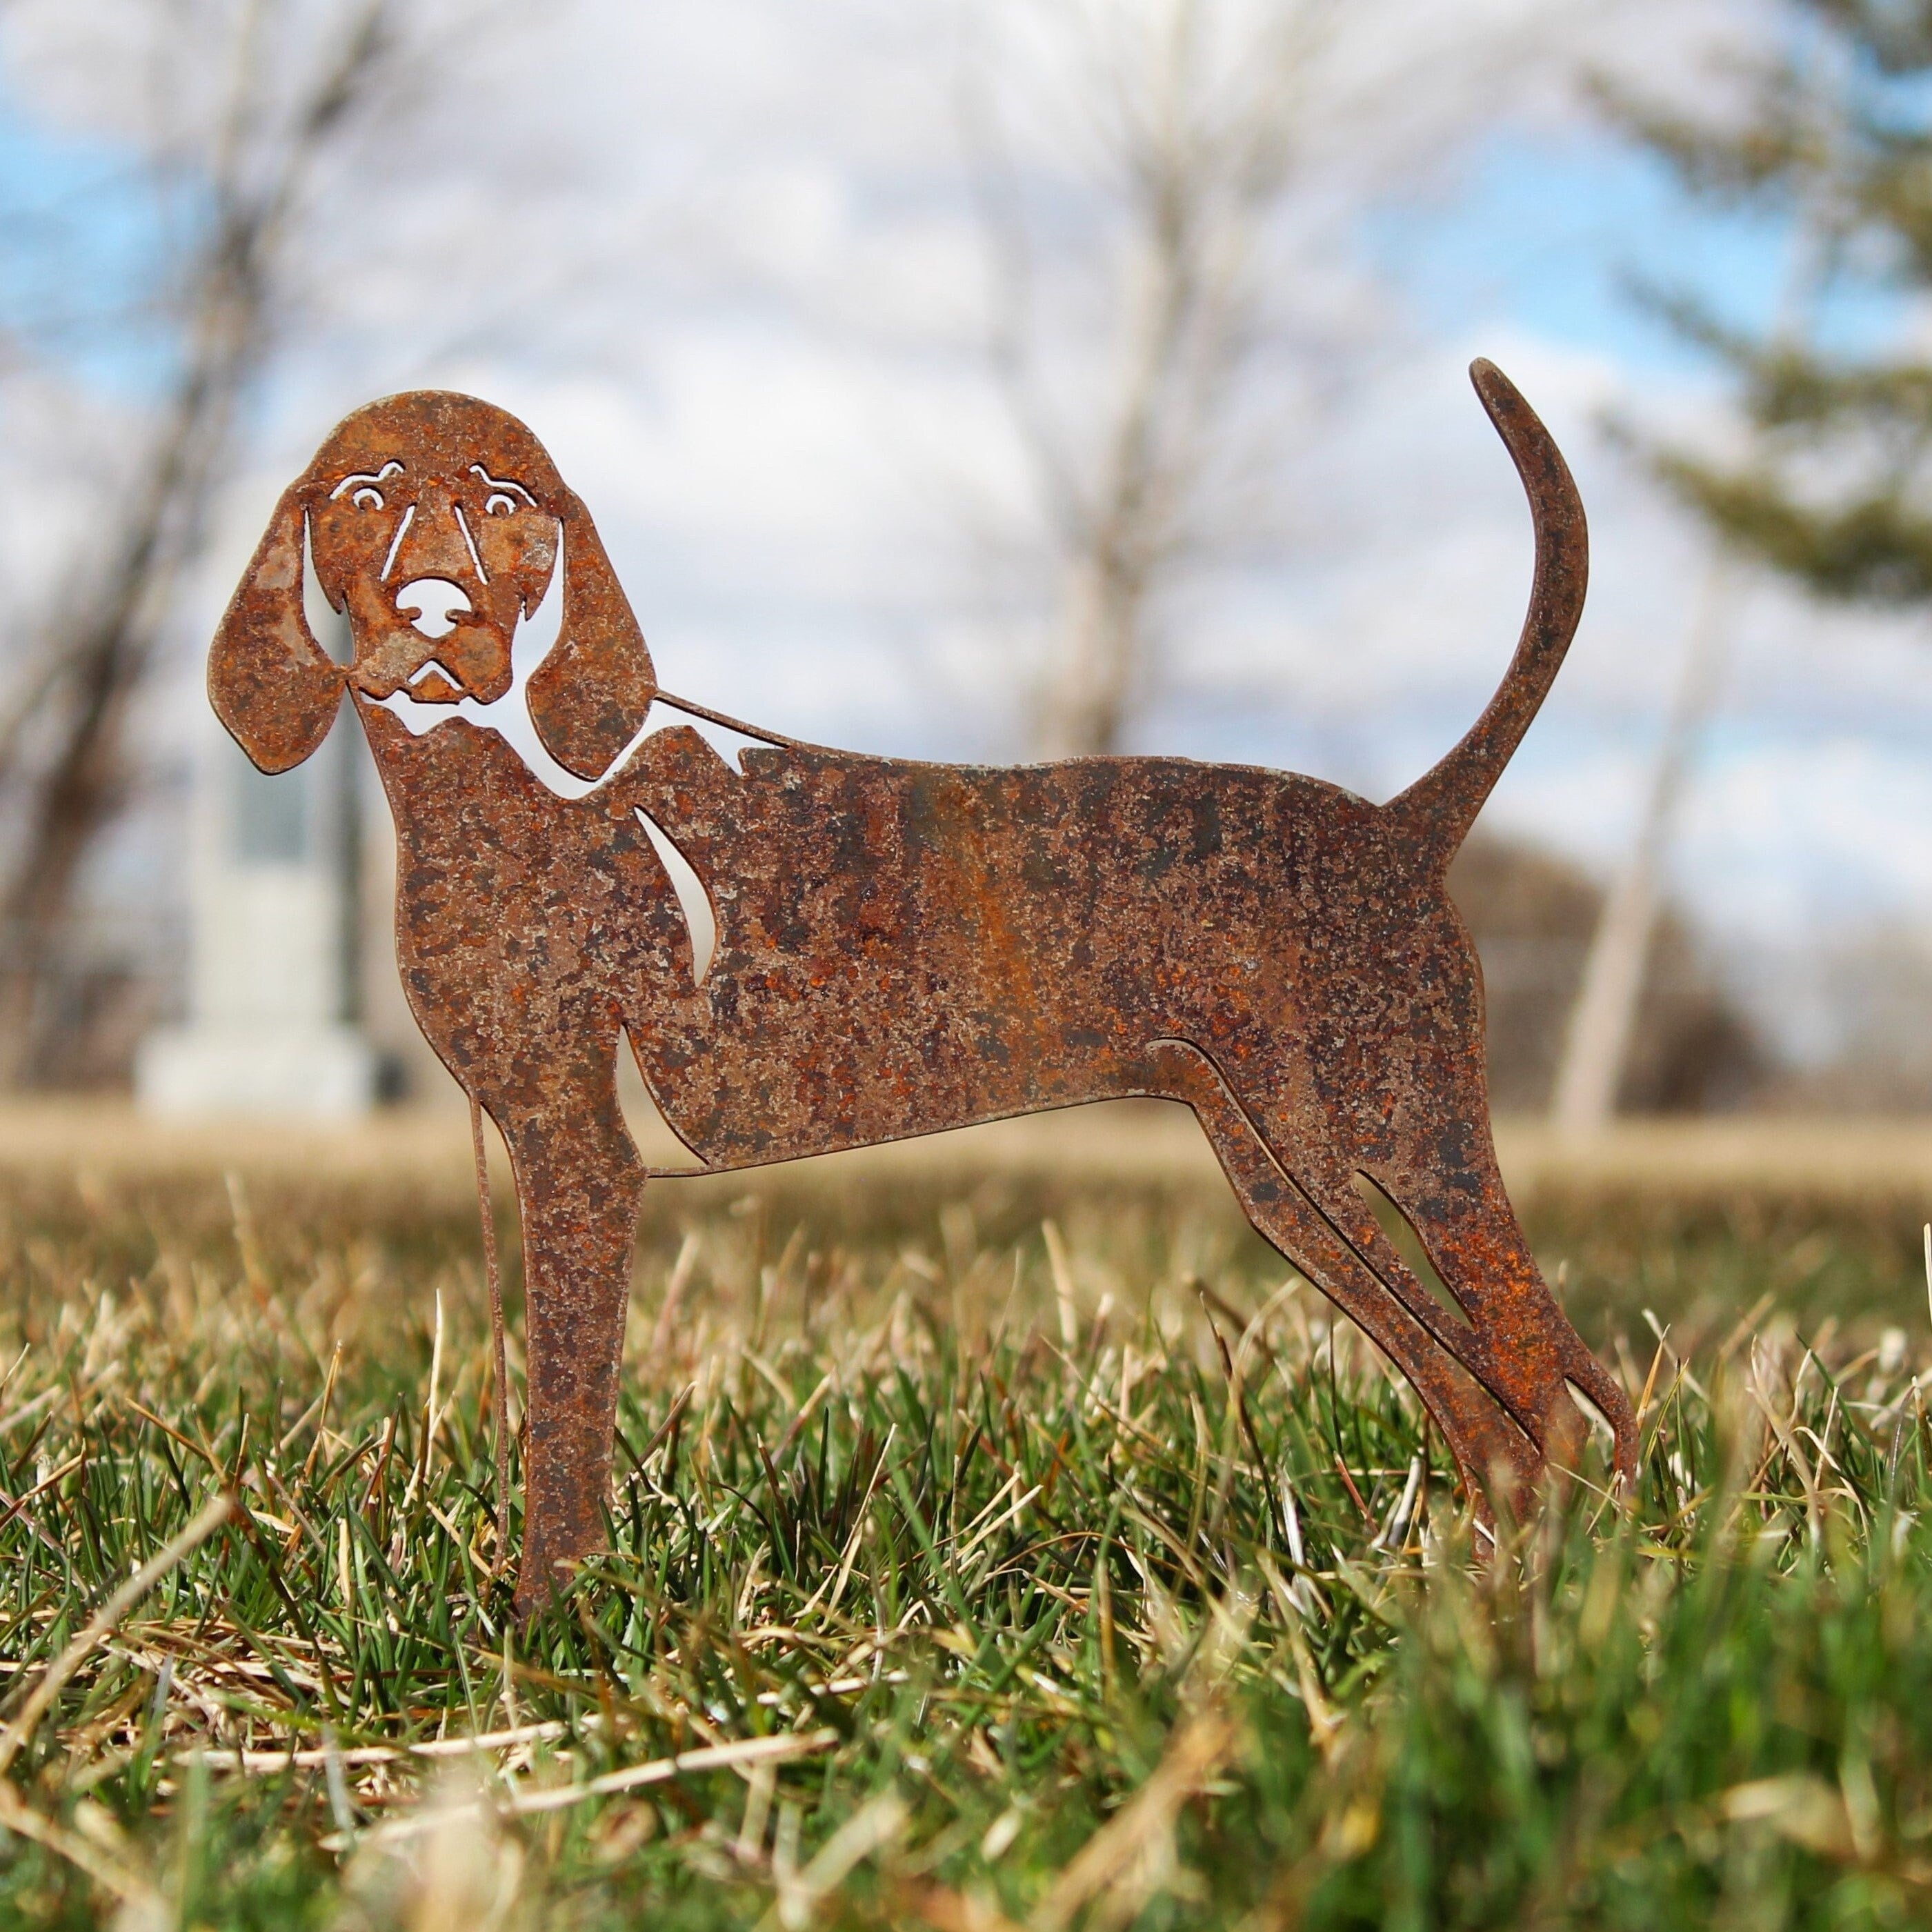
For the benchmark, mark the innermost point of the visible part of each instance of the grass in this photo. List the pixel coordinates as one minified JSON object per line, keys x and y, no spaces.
{"x":952,"y":1583}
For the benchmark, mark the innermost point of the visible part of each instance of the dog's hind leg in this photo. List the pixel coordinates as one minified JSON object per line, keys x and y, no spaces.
{"x":1441,"y":1175}
{"x":1420,"y":1339}
{"x":579,"y":1184}
{"x":1455,"y":1204}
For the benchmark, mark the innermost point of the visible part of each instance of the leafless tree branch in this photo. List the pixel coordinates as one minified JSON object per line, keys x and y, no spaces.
{"x":72,"y":706}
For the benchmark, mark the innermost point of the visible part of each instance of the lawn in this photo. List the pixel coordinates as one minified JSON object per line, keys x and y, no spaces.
{"x":986,"y":1552}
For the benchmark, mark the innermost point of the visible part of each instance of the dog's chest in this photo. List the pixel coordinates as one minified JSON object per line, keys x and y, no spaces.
{"x":515,"y":908}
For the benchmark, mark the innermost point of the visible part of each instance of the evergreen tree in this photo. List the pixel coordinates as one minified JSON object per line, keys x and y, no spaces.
{"x":1833,"y":132}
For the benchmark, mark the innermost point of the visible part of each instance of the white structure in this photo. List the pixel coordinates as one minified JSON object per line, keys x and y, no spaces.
{"x":274,"y":975}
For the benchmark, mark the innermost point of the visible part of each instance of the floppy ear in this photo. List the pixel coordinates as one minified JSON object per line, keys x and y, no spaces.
{"x":588,"y":697}
{"x":270,"y":683}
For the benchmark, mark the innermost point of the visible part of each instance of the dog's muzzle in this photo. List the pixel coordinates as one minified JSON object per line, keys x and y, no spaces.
{"x":431,"y":603}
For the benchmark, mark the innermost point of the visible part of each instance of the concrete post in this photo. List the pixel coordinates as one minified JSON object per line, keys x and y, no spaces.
{"x":274,"y":984}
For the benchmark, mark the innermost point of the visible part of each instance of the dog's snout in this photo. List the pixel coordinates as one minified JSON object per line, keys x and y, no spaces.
{"x":431,"y":603}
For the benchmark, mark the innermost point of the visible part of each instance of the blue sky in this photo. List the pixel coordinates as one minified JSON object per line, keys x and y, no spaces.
{"x":1546,"y":233}
{"x":1556,"y":232}
{"x":1541,"y":232}
{"x":84,"y":230}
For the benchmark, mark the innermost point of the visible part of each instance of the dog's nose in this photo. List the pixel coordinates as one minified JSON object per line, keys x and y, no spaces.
{"x":429,"y":602}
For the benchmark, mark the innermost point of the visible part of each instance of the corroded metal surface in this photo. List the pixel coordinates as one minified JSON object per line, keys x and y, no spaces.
{"x":896,"y":948}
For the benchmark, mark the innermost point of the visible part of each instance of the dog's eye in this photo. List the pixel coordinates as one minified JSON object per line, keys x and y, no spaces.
{"x":497,"y":504}
{"x":367,"y":498}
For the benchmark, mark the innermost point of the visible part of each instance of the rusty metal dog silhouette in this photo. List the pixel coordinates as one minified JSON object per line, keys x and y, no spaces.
{"x":895,"y":948}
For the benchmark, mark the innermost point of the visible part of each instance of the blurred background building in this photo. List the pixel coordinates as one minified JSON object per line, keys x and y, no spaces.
{"x":1035,"y":376}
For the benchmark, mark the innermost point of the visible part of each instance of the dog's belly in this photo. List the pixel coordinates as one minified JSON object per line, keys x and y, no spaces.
{"x":905,"y":948}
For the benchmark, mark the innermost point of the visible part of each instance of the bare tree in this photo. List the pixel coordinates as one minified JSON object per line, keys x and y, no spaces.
{"x":1195,"y":139}
{"x":1603,"y":1021}
{"x":65,"y":764}
{"x":1170,"y":227}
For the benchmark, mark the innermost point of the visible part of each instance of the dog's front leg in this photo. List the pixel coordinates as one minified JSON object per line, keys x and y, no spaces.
{"x":579,"y":1186}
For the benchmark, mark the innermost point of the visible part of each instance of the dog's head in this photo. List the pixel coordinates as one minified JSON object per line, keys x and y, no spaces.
{"x":437,"y":522}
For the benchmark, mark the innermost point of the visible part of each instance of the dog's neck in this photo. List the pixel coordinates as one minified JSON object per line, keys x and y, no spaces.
{"x":428,"y":772}
{"x":509,"y":715}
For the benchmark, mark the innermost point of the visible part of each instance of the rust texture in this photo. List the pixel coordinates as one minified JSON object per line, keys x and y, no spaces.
{"x":899,"y":947}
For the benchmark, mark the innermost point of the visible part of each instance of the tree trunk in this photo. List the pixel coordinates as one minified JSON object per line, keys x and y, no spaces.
{"x":100,"y":660}
{"x":1597,"y":1044}
{"x":93,"y":667}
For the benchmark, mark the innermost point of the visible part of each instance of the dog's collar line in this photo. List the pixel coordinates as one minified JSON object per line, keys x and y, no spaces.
{"x":736,"y":724}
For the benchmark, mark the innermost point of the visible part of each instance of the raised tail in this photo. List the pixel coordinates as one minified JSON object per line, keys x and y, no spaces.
{"x":1441,"y":804}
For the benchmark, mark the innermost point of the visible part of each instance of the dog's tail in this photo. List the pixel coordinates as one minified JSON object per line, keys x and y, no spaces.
{"x":1440,"y":807}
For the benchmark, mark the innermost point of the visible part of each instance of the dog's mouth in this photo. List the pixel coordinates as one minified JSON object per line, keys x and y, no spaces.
{"x":434,"y":682}
{"x":432,"y":604}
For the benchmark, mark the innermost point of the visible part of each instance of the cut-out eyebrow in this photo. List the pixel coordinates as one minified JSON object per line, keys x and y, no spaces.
{"x":388,"y":470}
{"x":501,"y":483}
